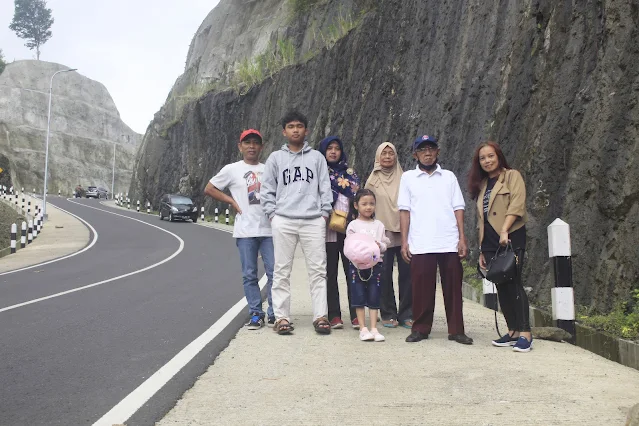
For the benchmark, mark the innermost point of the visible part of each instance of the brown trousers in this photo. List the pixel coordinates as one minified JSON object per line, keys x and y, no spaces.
{"x":423,"y":272}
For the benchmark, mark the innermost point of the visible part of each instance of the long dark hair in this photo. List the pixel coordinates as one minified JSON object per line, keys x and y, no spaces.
{"x":477,"y":174}
{"x":353,"y":213}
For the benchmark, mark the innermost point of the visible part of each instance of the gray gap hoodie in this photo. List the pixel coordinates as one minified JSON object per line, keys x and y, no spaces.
{"x":296,"y":184}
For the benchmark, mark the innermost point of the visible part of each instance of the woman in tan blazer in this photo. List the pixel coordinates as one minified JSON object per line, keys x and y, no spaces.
{"x":500,"y":193}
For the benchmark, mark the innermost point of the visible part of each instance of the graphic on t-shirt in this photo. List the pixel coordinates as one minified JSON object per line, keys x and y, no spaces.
{"x":253,"y":187}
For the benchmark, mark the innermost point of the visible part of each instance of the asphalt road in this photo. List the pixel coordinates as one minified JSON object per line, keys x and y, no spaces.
{"x":70,"y":359}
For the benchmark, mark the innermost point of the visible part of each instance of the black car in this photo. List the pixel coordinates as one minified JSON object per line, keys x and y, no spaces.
{"x":177,"y":207}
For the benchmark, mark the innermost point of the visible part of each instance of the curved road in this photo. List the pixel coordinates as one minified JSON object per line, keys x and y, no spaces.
{"x":71,"y":358}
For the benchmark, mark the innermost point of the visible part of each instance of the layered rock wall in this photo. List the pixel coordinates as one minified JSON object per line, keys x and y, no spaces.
{"x":555,"y":83}
{"x":85,"y":126}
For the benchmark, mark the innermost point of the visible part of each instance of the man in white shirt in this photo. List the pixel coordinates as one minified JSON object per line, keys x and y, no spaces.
{"x":431,"y":213}
{"x":252,"y":229}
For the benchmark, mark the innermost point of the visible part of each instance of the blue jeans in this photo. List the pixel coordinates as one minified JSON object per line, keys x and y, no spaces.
{"x":249,"y":249}
{"x":365,"y":290}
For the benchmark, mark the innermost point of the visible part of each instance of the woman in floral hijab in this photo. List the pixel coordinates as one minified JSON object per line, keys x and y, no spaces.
{"x":345,"y":184}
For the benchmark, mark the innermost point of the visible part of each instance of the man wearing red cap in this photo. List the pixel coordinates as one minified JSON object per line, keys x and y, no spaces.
{"x":252,"y":229}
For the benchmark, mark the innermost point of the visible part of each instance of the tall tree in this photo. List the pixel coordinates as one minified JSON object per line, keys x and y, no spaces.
{"x":32,"y":21}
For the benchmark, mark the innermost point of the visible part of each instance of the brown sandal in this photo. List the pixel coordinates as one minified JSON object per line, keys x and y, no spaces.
{"x":283,"y":326}
{"x":322,"y":326}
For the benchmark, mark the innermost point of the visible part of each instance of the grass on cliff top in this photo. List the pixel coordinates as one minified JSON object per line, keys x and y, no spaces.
{"x":622,"y":321}
{"x":7,"y":217}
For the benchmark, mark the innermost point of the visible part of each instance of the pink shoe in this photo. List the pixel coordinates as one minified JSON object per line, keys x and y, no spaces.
{"x":365,"y":335}
{"x":377,"y":336}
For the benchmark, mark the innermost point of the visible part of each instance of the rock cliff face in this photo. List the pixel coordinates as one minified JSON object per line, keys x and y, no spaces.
{"x":85,"y":124}
{"x":555,"y":83}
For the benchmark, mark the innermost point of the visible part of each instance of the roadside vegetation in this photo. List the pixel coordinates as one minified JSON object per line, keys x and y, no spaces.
{"x":8,"y":216}
{"x":471,"y":276}
{"x":622,"y":321}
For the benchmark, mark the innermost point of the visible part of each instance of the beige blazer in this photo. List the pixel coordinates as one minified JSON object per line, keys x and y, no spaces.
{"x":508,"y":197}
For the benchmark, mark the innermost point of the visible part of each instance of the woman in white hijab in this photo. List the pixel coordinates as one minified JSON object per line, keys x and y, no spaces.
{"x":384,"y":182}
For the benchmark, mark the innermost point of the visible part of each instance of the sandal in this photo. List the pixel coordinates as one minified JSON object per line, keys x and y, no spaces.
{"x":391,"y":323}
{"x":407,"y":323}
{"x":322,"y":326}
{"x":283,"y":326}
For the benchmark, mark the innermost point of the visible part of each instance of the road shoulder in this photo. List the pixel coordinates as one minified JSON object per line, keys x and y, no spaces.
{"x":61,"y":236}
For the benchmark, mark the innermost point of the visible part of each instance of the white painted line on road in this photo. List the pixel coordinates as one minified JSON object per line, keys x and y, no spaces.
{"x":95,"y":239}
{"x":136,"y":399}
{"x":178,"y":251}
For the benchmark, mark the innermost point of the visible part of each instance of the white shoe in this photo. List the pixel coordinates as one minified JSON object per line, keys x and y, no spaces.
{"x":377,"y":336}
{"x":365,"y":335}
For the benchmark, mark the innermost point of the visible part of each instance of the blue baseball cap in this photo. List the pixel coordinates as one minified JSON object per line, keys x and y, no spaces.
{"x":425,"y":139}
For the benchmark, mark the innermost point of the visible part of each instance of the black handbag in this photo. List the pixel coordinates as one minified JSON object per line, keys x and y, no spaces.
{"x":503,"y":266}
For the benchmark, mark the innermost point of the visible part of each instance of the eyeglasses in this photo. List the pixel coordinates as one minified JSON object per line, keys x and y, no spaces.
{"x":427,"y":149}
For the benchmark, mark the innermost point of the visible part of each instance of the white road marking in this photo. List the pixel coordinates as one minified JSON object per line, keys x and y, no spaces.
{"x":95,"y":239}
{"x":136,"y":399}
{"x":178,"y":251}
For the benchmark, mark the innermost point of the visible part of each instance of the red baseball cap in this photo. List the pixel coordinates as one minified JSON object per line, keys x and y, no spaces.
{"x":249,"y":132}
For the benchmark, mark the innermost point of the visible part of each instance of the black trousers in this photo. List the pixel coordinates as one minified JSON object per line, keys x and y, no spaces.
{"x":513,"y":299}
{"x":333,"y":253}
{"x":388,"y":306}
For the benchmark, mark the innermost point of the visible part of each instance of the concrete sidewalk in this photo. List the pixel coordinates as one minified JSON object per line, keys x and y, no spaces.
{"x":62,"y":235}
{"x":308,"y":379}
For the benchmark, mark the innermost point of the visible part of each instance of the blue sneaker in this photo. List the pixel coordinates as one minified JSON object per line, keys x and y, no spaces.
{"x":256,"y":322}
{"x":504,"y":341}
{"x":523,"y":345}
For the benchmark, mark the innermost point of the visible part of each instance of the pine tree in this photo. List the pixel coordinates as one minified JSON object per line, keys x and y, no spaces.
{"x":32,"y":21}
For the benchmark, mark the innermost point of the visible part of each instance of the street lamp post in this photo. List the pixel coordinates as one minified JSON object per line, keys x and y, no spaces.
{"x":46,"y":155}
{"x":113,"y":178}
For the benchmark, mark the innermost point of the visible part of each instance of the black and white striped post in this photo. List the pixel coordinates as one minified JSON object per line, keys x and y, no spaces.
{"x":30,"y":232}
{"x":227,"y":216}
{"x":217,"y":215}
{"x":490,"y":295}
{"x":138,"y":208}
{"x":23,"y":235}
{"x":148,"y":207}
{"x":202,"y":212}
{"x":23,"y":201}
{"x":562,"y":295}
{"x":34,"y":192}
{"x":28,"y":207}
{"x":16,"y":197}
{"x":14,"y":231}
{"x":128,"y":203}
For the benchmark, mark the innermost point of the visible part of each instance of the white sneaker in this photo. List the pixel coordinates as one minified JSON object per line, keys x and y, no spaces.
{"x":365,"y":335}
{"x":377,"y":336}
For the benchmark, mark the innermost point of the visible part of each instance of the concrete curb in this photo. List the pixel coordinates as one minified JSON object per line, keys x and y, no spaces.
{"x":625,"y":352}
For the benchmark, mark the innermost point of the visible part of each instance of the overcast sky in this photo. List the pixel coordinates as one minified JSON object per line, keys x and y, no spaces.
{"x":136,"y":48}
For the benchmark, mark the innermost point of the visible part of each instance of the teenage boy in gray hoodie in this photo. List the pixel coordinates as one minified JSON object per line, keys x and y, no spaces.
{"x":296,"y":196}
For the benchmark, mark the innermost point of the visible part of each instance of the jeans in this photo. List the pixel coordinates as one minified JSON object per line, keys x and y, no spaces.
{"x":365,"y":289}
{"x":249,"y":249}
